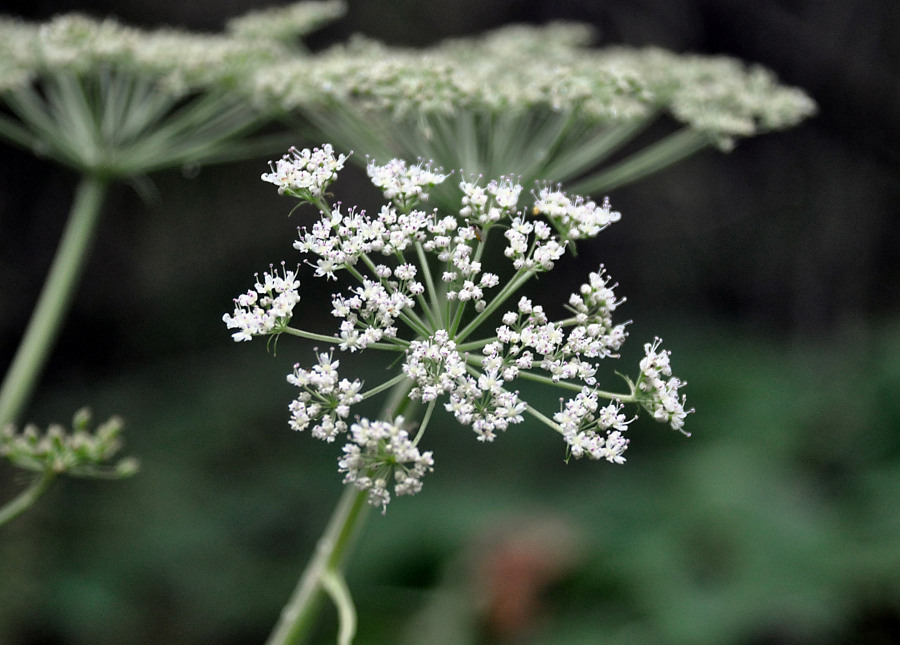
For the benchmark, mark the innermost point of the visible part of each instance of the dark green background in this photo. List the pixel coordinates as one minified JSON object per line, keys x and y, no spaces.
{"x":771,"y":273}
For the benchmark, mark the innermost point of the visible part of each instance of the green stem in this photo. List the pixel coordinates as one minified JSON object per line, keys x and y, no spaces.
{"x":55,"y":299}
{"x":429,"y":284}
{"x":27,"y":497}
{"x":336,"y":587}
{"x":396,"y":345}
{"x":655,"y":157}
{"x":384,"y":386}
{"x":520,"y":278}
{"x":322,"y":573}
{"x":576,"y":387}
{"x":543,"y":418}
{"x":297,"y":616}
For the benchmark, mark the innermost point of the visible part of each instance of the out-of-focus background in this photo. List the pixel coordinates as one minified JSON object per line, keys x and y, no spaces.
{"x":770,"y":272}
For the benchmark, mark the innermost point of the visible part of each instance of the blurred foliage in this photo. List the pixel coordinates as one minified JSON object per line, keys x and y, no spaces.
{"x":775,"y":523}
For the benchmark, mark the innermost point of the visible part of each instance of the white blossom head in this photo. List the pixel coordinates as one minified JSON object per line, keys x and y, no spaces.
{"x":456,"y":334}
{"x":306,"y":173}
{"x":380,"y":457}
{"x":265,"y":309}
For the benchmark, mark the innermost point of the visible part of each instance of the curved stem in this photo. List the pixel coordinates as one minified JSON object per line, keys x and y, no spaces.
{"x":336,"y":587}
{"x":297,"y":616}
{"x":23,"y":501}
{"x":323,"y":570}
{"x":55,"y":298}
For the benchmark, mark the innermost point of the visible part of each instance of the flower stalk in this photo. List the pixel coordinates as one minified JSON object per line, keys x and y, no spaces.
{"x":55,"y":298}
{"x":296,"y":619}
{"x":26,"y":499}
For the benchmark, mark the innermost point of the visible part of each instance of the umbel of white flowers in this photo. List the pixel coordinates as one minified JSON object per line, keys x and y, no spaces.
{"x":539,"y":102}
{"x":113,"y":100}
{"x":463,"y":336}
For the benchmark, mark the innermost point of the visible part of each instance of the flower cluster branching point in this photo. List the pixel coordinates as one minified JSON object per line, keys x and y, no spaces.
{"x":454,"y":333}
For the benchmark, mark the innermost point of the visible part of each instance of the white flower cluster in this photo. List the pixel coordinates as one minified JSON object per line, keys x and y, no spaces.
{"x":325,"y":399}
{"x":491,"y":203}
{"x":305,"y":173}
{"x":539,"y":252}
{"x":478,"y":400}
{"x":595,"y":335}
{"x":592,"y":430}
{"x":579,"y":218}
{"x":265,"y":309}
{"x":422,"y":294}
{"x":522,"y":69}
{"x":380,"y":452}
{"x":370,"y":313}
{"x":404,"y":185}
{"x":527,"y":339}
{"x":659,"y":389}
{"x":178,"y":61}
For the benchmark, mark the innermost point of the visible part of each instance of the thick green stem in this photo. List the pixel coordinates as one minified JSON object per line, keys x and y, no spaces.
{"x":55,"y":298}
{"x":27,"y":497}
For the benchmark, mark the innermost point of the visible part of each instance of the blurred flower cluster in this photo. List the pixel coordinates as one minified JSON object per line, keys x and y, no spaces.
{"x":537,"y":101}
{"x":82,"y":452}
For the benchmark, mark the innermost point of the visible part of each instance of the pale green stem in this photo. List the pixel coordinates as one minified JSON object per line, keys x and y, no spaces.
{"x":673,"y":148}
{"x":425,"y":419}
{"x":429,"y":282}
{"x":295,"y":623}
{"x":457,"y":317}
{"x":384,"y":386}
{"x":396,"y":345}
{"x":543,"y":418}
{"x":576,"y":387}
{"x":336,"y":587}
{"x":475,"y":344}
{"x":27,"y":497}
{"x":297,"y":617}
{"x":55,"y":299}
